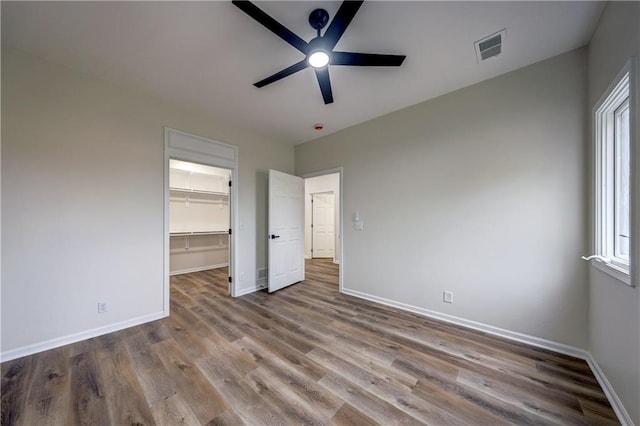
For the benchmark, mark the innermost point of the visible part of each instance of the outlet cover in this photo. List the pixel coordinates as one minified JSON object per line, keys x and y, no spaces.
{"x":102,"y":307}
{"x":447,"y":296}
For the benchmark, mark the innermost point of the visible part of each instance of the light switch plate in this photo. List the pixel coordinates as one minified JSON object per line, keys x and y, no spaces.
{"x":359,"y":225}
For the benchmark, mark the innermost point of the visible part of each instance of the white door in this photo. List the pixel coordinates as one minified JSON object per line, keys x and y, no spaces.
{"x":322,"y":225}
{"x":286,"y":230}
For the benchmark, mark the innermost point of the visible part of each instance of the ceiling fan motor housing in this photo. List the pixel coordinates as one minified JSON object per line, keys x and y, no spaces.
{"x":318,"y":19}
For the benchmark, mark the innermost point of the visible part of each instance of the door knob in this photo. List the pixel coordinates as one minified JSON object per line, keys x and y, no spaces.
{"x":273,"y":237}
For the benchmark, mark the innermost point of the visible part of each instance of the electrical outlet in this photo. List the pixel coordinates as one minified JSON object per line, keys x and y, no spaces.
{"x":241,"y":276}
{"x":102,"y":307}
{"x":447,"y":296}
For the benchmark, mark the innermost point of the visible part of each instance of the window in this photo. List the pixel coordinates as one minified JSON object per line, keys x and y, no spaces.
{"x":621,"y":182}
{"x":613,"y":188}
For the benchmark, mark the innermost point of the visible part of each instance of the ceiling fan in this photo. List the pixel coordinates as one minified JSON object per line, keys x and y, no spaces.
{"x":319,"y":53}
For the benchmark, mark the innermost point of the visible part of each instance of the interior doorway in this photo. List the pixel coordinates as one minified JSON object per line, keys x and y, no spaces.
{"x":198,"y":150}
{"x":323,"y":240}
{"x":199,"y":218}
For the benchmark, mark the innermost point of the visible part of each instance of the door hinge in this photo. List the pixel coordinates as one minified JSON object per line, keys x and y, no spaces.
{"x":229,"y":231}
{"x":229,"y":183}
{"x":230,"y":279}
{"x":312,"y":225}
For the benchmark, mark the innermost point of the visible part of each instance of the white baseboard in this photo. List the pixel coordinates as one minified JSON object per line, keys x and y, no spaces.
{"x":496,"y":331}
{"x":614,"y":400}
{"x":198,"y":269}
{"x":612,"y":396}
{"x":260,"y":285}
{"x":76,"y":337}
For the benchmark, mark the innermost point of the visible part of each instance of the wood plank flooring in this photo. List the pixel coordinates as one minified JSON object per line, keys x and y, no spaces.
{"x":304,"y":355}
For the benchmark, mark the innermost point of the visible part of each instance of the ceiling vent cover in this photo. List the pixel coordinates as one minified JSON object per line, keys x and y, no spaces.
{"x":490,"y":46}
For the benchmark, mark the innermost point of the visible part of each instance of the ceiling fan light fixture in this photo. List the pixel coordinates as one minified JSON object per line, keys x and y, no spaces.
{"x":319,"y":53}
{"x":318,"y":59}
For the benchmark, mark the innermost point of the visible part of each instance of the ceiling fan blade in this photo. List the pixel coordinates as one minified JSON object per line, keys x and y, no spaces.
{"x":340,"y":22}
{"x":284,"y":73}
{"x":325,"y":84}
{"x":366,"y":59}
{"x":274,"y":26}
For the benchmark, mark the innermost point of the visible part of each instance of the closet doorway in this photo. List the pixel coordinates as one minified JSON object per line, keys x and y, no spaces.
{"x":198,"y":181}
{"x":199,"y":217}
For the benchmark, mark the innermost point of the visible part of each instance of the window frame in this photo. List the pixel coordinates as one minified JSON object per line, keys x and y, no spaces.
{"x":622,"y":89}
{"x":616,"y":182}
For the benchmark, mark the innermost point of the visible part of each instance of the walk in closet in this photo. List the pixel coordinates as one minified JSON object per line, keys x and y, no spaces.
{"x":199,"y":217}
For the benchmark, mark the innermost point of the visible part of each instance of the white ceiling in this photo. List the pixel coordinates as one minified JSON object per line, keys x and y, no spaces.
{"x":206,"y":55}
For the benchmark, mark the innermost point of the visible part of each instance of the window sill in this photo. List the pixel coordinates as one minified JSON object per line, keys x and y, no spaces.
{"x":614,"y":271}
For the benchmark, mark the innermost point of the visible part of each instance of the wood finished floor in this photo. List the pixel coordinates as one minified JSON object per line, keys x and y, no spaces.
{"x":303,"y":355}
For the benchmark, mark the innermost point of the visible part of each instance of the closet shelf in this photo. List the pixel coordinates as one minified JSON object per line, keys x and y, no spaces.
{"x":197,"y":191}
{"x":190,"y":233}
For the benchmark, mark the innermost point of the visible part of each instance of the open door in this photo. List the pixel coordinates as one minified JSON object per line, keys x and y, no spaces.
{"x":286,"y":230}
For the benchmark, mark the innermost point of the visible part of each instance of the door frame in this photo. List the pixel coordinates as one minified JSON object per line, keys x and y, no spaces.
{"x":179,"y":145}
{"x":334,"y":225}
{"x":339,"y":171}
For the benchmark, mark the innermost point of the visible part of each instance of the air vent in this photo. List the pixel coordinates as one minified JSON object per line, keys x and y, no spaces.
{"x":490,"y":46}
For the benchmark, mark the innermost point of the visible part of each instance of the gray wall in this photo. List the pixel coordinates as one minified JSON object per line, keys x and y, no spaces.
{"x":481,"y":192}
{"x":82,"y":199}
{"x":614,"y":307}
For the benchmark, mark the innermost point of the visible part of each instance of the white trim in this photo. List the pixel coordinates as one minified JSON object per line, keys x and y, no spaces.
{"x":634,"y":140}
{"x":602,"y":130}
{"x":610,"y":393}
{"x":538,"y":342}
{"x":198,"y":269}
{"x":76,"y":337}
{"x":614,"y":271}
{"x":185,"y":146}
{"x":501,"y":332}
{"x":340,"y":172}
{"x":249,"y":290}
{"x":608,"y":389}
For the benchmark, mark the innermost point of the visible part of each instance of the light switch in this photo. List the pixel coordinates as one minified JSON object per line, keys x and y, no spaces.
{"x":359,"y":225}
